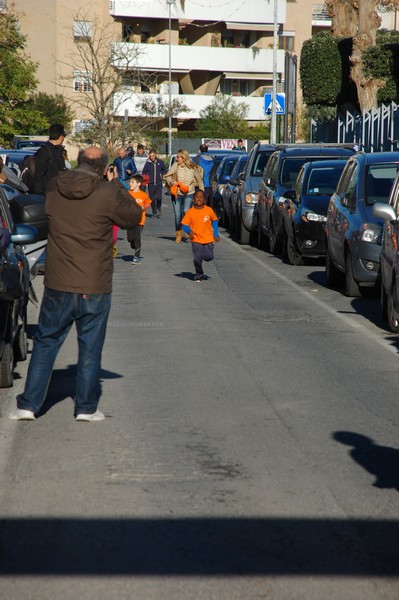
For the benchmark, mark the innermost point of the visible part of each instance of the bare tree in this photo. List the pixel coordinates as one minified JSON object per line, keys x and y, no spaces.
{"x":359,"y":20}
{"x":106,"y":74}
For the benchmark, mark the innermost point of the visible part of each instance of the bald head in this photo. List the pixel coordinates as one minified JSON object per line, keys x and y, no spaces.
{"x":94,"y":157}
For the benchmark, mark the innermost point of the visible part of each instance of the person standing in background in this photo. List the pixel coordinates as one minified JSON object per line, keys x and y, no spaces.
{"x":125,"y":166}
{"x":140,"y":158}
{"x":49,"y":159}
{"x":155,"y":170}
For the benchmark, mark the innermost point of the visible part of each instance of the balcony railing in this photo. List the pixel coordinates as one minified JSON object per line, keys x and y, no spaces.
{"x":320,"y":12}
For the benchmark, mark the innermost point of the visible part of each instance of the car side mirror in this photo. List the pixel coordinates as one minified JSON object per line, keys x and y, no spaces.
{"x":24,"y":234}
{"x":241,"y":176}
{"x":384,"y":211}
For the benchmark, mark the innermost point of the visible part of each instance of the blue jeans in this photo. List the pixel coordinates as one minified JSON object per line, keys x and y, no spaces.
{"x":58,"y":311}
{"x":181,"y":204}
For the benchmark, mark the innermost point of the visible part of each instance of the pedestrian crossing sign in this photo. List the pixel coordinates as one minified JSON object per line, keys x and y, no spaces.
{"x":280,"y":104}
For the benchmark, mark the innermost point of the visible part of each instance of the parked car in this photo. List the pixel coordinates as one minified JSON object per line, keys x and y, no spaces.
{"x":220,"y":179}
{"x":13,"y":313}
{"x":243,"y":208}
{"x":389,"y":257}
{"x":305,"y":209}
{"x":229,"y":188}
{"x":14,"y":158}
{"x":353,"y":233}
{"x":279,"y":177}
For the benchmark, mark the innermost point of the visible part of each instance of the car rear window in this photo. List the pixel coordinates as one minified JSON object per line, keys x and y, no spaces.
{"x":259,"y":164}
{"x":380,"y":179}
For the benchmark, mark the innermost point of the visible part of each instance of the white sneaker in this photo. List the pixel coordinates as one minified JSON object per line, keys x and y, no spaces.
{"x":97,"y":416}
{"x":20,"y":414}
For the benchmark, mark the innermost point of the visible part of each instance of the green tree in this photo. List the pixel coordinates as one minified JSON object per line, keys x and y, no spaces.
{"x":17,"y":82}
{"x":223,"y":118}
{"x":360,"y":22}
{"x":53,"y":108}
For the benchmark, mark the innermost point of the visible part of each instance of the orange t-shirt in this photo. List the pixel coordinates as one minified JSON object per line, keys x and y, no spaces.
{"x":200,"y":222}
{"x":141,"y":199}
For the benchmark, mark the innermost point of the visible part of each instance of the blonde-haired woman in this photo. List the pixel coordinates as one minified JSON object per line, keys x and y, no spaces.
{"x":183,"y":171}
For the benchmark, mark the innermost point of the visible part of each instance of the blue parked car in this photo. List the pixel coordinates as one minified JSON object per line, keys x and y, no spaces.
{"x":220,"y":179}
{"x":353,"y":233}
{"x":280,"y":175}
{"x":305,"y":209}
{"x":230,"y":187}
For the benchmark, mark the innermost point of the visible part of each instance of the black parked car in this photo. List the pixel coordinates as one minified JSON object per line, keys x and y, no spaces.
{"x":280,"y":176}
{"x":13,"y":313}
{"x":353,"y":233}
{"x":305,"y":209}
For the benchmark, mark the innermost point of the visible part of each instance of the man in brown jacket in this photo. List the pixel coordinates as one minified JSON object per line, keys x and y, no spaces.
{"x":82,"y":207}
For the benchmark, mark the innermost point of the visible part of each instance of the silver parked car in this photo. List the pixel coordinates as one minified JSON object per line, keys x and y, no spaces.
{"x":389,"y":258}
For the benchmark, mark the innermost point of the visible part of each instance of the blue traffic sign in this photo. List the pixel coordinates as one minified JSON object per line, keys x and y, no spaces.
{"x":280,"y":104}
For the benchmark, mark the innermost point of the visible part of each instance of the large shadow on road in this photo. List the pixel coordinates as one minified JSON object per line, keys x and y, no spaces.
{"x":199,"y":546}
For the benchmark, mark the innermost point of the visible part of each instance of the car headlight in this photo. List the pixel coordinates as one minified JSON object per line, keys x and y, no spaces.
{"x":315,"y":217}
{"x":371,"y":233}
{"x":251,"y":199}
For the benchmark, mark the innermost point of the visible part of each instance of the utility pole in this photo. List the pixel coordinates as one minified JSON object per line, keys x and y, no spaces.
{"x":170,"y":2}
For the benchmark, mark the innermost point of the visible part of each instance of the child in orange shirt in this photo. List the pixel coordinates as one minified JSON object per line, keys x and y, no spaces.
{"x":201,"y":224}
{"x":134,"y":234}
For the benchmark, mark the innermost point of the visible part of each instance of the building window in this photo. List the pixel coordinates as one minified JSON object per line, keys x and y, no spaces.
{"x":286,"y":40}
{"x":234,"y":87}
{"x":82,"y":81}
{"x":82,"y":30}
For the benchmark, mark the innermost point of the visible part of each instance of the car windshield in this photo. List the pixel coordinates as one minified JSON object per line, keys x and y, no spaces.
{"x":379,"y":182}
{"x":323,"y":181}
{"x":259,"y":164}
{"x":290,"y":169}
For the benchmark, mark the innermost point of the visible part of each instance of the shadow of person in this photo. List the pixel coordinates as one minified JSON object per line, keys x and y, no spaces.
{"x":381,"y":461}
{"x":62,"y":386}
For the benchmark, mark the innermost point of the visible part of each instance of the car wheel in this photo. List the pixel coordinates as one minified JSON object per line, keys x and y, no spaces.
{"x":273,"y":242}
{"x":383,"y":303}
{"x":7,"y":366}
{"x":333,"y":275}
{"x":352,"y":289}
{"x":293,"y":254}
{"x":392,"y":314}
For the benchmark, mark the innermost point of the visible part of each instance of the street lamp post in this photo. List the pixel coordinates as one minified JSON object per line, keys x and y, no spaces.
{"x":170,"y":2}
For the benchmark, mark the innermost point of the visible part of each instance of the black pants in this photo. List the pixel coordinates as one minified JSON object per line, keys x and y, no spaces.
{"x":201,"y":252}
{"x":155,"y":194}
{"x":134,"y":237}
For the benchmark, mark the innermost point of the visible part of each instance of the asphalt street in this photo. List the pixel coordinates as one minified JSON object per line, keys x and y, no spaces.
{"x":250,"y":449}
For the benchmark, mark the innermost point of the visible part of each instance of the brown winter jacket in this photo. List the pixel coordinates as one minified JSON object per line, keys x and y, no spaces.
{"x":82,"y":207}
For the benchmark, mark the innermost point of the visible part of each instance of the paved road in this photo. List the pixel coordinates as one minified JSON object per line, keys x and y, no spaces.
{"x":251,"y":448}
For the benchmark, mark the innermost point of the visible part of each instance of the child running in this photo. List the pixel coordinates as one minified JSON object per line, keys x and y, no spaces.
{"x":134,"y":234}
{"x":201,"y":224}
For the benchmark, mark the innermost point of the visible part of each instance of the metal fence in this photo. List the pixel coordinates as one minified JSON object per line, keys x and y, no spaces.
{"x":374,"y":131}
